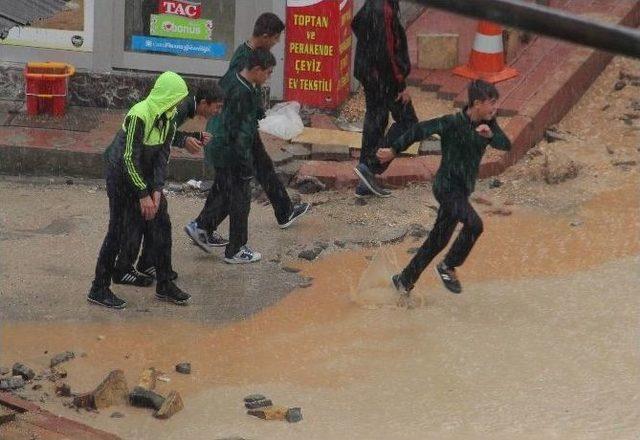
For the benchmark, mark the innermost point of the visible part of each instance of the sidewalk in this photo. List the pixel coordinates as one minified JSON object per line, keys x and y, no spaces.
{"x":554,"y":75}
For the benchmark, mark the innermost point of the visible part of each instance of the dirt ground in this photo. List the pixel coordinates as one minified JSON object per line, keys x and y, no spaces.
{"x":543,"y":343}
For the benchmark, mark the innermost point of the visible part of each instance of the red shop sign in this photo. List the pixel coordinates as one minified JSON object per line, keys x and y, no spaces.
{"x":318,"y":52}
{"x":184,"y":8}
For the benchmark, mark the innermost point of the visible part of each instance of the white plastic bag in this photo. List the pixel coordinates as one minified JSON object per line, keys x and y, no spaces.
{"x":283,"y":120}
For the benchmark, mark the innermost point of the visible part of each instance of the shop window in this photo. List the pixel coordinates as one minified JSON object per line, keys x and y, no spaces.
{"x":70,"y":28}
{"x":199,"y":29}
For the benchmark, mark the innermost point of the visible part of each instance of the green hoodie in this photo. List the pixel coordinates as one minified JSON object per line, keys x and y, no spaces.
{"x":141,"y":149}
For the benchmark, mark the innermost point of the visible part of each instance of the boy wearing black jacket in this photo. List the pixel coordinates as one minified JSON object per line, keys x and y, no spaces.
{"x":230,"y":153}
{"x":206,"y":103}
{"x":464,"y":137}
{"x":135,"y":176}
{"x":382,"y":66}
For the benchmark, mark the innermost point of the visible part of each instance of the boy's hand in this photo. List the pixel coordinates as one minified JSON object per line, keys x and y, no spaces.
{"x":385,"y":155}
{"x":148,"y":208}
{"x":404,"y":96}
{"x":206,"y":137}
{"x":156,"y":199}
{"x":192,"y":145}
{"x":484,"y":130}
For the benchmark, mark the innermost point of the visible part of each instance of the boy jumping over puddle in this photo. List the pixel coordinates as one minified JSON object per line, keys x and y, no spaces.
{"x":464,"y":137}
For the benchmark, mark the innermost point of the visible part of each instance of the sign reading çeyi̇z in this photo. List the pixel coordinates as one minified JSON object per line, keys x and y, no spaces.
{"x":174,"y":26}
{"x":318,"y":51}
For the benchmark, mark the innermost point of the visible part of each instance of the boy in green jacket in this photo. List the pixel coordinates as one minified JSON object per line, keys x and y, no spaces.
{"x":266,"y":34}
{"x":464,"y":137}
{"x":135,"y":176}
{"x":230,"y":153}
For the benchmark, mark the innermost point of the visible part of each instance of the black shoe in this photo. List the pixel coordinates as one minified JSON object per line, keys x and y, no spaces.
{"x":362,"y":191}
{"x":133,"y":278}
{"x":400,"y":285}
{"x":299,"y":209}
{"x":151,"y":272}
{"x":214,"y":239}
{"x":368,"y":179}
{"x":103,"y":296}
{"x":172,"y":293}
{"x":449,"y":278}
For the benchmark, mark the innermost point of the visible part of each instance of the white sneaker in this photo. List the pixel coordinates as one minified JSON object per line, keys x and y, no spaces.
{"x":199,"y":236}
{"x":245,"y":255}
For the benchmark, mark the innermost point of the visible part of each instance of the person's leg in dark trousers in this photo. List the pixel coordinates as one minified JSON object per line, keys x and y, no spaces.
{"x":215,"y":210}
{"x":404,"y":117}
{"x":376,"y":118}
{"x":471,"y":230}
{"x":454,"y":208}
{"x":238,"y":190}
{"x":130,"y":245}
{"x":111,"y":243}
{"x":122,"y":204}
{"x":160,"y":233}
{"x":267,"y":178}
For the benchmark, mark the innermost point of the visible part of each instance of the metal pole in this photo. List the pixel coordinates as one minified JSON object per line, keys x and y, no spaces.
{"x":547,"y":21}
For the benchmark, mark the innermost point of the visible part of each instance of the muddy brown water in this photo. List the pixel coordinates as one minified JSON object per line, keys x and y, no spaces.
{"x":543,"y":343}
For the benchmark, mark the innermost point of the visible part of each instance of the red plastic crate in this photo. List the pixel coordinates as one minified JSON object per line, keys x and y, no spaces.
{"x":46,"y":87}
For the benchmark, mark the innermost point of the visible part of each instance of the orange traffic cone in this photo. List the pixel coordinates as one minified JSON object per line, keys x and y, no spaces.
{"x":487,"y":56}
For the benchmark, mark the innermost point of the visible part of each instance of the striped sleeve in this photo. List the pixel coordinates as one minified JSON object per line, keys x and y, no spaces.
{"x":134,"y":128}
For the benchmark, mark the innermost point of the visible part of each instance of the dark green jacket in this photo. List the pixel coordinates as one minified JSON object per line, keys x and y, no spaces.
{"x":233,"y":140}
{"x":237,"y":63}
{"x":462,"y":149}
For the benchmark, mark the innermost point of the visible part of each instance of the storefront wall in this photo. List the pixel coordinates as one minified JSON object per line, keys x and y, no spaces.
{"x":108,"y":46}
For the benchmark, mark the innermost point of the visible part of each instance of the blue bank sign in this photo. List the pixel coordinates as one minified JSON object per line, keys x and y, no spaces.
{"x":192,"y":48}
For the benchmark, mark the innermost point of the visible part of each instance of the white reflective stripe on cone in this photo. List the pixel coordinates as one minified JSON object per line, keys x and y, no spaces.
{"x":488,"y":43}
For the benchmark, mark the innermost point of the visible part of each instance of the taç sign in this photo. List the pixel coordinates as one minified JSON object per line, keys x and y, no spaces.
{"x":190,"y":9}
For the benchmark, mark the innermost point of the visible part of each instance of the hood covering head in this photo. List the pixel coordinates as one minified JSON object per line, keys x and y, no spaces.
{"x":167,"y":92}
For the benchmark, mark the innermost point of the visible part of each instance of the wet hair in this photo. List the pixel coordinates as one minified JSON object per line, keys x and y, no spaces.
{"x":261,"y":58}
{"x":210,"y":94}
{"x":268,"y":24}
{"x":482,"y":91}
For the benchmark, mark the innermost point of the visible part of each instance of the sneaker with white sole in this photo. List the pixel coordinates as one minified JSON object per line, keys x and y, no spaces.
{"x":243,"y":256}
{"x":103,"y":296}
{"x":199,"y":236}
{"x":215,"y":239}
{"x":299,"y":209}
{"x":368,"y":179}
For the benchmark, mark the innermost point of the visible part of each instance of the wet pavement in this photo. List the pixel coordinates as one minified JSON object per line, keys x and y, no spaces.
{"x":543,"y":343}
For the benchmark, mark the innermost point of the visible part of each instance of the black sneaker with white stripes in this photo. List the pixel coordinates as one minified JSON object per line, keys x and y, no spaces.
{"x":133,"y":278}
{"x":299,"y":209}
{"x":449,"y":278}
{"x":171,"y":293}
{"x":151,"y":272}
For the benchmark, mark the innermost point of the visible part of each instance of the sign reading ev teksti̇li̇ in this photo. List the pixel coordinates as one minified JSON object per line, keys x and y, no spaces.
{"x":174,"y":26}
{"x":318,"y":52}
{"x":185,"y":8}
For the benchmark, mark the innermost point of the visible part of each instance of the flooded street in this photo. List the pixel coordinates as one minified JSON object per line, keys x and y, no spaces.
{"x":542,"y":343}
